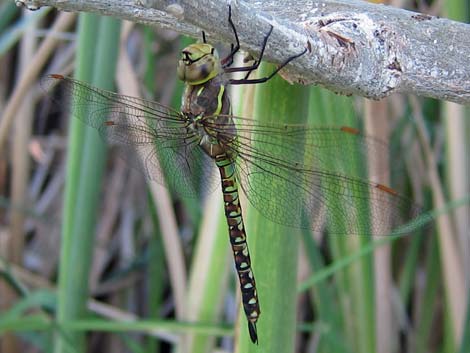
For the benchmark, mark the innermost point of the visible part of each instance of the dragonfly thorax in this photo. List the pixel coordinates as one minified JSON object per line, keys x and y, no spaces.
{"x":215,"y":134}
{"x":206,"y":102}
{"x":198,"y":64}
{"x":207,"y":106}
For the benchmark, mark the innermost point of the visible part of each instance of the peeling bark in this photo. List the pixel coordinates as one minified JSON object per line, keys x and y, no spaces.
{"x":356,"y":47}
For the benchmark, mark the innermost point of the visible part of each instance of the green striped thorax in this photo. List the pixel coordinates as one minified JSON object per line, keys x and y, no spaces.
{"x":198,"y":64}
{"x":206,"y":103}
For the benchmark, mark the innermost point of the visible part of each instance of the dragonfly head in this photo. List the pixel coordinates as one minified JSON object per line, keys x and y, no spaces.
{"x":198,"y":64}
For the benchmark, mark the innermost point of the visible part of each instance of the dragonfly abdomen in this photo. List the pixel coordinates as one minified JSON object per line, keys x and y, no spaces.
{"x":233,"y":214}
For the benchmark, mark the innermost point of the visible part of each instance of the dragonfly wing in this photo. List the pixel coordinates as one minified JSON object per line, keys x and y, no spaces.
{"x":293,"y":174}
{"x":322,"y":185}
{"x":173,"y":159}
{"x":320,"y":200}
{"x":342,"y":150}
{"x":92,"y":105}
{"x":150,"y":137}
{"x":192,"y":172}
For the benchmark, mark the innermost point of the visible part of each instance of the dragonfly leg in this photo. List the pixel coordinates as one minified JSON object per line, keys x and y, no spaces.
{"x":256,"y":64}
{"x":228,"y":60}
{"x":246,"y":81}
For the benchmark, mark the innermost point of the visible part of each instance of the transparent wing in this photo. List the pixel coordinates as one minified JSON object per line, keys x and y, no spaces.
{"x":151,"y":137}
{"x":316,"y":177}
{"x":295,"y":175}
{"x":334,"y":149}
{"x":312,"y":199}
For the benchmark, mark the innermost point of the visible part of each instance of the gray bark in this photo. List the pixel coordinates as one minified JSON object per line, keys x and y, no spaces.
{"x":355,"y":47}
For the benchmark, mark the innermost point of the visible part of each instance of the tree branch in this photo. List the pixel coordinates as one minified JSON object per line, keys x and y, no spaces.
{"x":356,"y":47}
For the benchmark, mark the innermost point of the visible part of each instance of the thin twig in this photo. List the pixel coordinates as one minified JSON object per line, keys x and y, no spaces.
{"x":450,"y":256}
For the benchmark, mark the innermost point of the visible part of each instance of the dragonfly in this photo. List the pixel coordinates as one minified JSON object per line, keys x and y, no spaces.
{"x":185,"y":149}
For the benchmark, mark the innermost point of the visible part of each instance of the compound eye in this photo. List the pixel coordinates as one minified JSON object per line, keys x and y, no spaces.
{"x":197,"y":64}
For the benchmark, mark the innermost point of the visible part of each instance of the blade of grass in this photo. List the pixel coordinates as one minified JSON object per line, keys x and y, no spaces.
{"x":274,"y":247}
{"x":41,"y":323}
{"x":426,"y":311}
{"x":31,"y":301}
{"x":324,"y":106}
{"x":155,"y":274}
{"x":156,"y":265}
{"x":85,"y":170}
{"x":87,"y":29}
{"x":16,"y":99}
{"x":344,"y":262}
{"x":324,"y":297}
{"x":13,"y":34}
{"x":22,"y":129}
{"x":209,"y":271}
{"x":355,"y":285}
{"x":8,"y":11}
{"x":466,"y":335}
{"x":174,"y":254}
{"x":457,"y":169}
{"x":453,"y":274}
